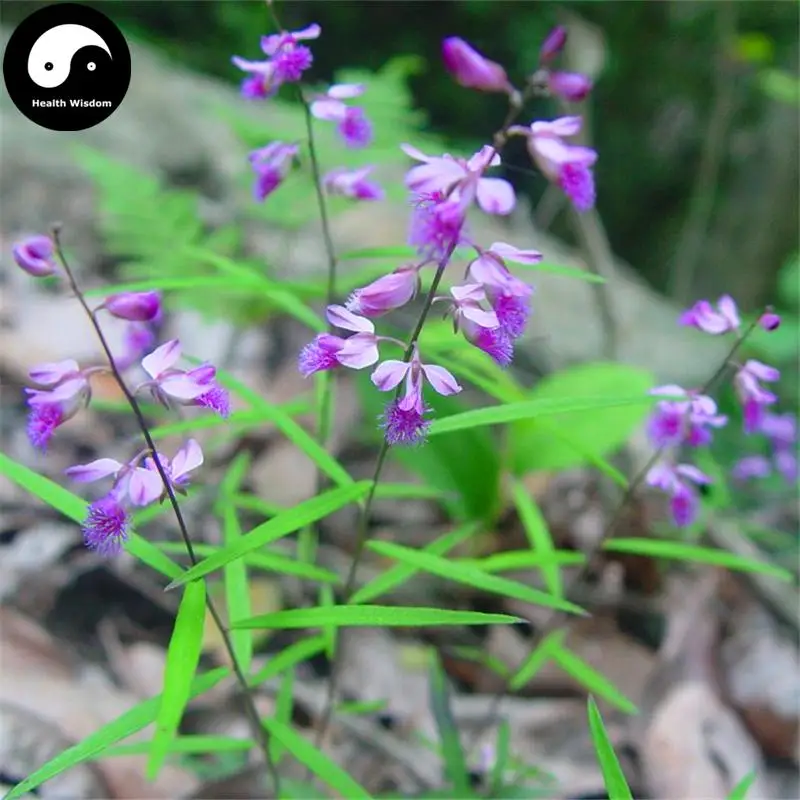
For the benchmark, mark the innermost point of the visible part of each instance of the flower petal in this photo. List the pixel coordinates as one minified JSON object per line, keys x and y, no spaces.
{"x":345,"y":91}
{"x":145,"y":486}
{"x":389,"y":374}
{"x":359,"y":351}
{"x":189,"y":457}
{"x":496,"y":196}
{"x":53,"y":372}
{"x":94,"y":470}
{"x":442,"y":380}
{"x":182,"y":387}
{"x":508,"y":251}
{"x":162,"y":358}
{"x":342,"y":318}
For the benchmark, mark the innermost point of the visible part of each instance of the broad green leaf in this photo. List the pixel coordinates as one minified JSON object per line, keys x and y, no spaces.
{"x":237,"y":590}
{"x":613,"y":776}
{"x":575,"y":440}
{"x":739,"y":792}
{"x":471,"y":576}
{"x":372,"y":616}
{"x":470,"y":486}
{"x":400,"y":573}
{"x":132,"y":721}
{"x":455,"y":764}
{"x":531,"y":409}
{"x":658,"y":548}
{"x":183,"y":656}
{"x":294,"y":432}
{"x":323,"y":767}
{"x":539,"y":537}
{"x":74,"y":508}
{"x":589,"y":677}
{"x":285,"y":523}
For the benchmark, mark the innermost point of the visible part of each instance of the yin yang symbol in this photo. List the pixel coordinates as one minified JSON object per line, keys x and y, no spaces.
{"x":50,"y":58}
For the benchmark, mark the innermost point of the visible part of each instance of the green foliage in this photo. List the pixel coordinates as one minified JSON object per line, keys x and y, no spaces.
{"x":613,"y":776}
{"x":580,"y":439}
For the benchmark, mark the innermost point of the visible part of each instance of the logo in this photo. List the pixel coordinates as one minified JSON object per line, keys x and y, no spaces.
{"x":67,"y":67}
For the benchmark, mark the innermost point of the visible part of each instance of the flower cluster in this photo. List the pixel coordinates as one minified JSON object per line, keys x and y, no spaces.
{"x":61,"y":389}
{"x":286,"y":62}
{"x":780,"y":431}
{"x":688,"y":418}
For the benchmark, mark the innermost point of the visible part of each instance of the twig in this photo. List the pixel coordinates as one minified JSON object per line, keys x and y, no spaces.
{"x":594,"y":554}
{"x":259,"y":732}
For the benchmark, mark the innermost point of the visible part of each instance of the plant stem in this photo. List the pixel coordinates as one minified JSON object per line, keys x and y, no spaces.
{"x":259,"y":733}
{"x":593,"y":556}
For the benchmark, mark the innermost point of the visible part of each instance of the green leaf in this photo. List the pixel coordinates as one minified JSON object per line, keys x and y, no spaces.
{"x":283,"y":712}
{"x":74,"y":508}
{"x":613,"y":776}
{"x":536,"y":659}
{"x":531,"y":409}
{"x":502,"y":752}
{"x":470,"y":486}
{"x":739,"y":792}
{"x":559,"y":269}
{"x":400,"y":573}
{"x":576,"y":440}
{"x":287,"y":658}
{"x":237,"y":590}
{"x":127,"y":724}
{"x":372,"y":616}
{"x":401,"y":251}
{"x":455,"y":764}
{"x":471,"y":576}
{"x":658,"y":548}
{"x":326,"y":770}
{"x":190,"y":744}
{"x":525,"y":559}
{"x":539,"y":537}
{"x":285,"y":523}
{"x":183,"y":657}
{"x":589,"y":677}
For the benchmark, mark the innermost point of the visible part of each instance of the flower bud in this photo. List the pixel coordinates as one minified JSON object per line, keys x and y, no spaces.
{"x":35,"y":256}
{"x":470,"y":69}
{"x":570,"y":86}
{"x":769,"y":321}
{"x":553,"y":44}
{"x":134,"y":306}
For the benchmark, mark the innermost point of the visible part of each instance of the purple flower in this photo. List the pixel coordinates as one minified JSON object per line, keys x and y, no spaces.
{"x":437,"y":225}
{"x":352,"y":183}
{"x":105,"y":528}
{"x":570,"y":86}
{"x":461,"y":179}
{"x":194,"y":387}
{"x":404,"y":419}
{"x":134,"y":306}
{"x":35,"y":256}
{"x":566,"y":165}
{"x":137,"y":342}
{"x":752,"y":395}
{"x":781,"y":431}
{"x":703,"y":316}
{"x":770,"y":321}
{"x":750,"y":467}
{"x":327,"y":351}
{"x":352,"y":124}
{"x":68,"y":391}
{"x":481,"y":328}
{"x":509,"y":296}
{"x":679,"y":483}
{"x":472,"y":70}
{"x":271,"y":165}
{"x":386,"y":293}
{"x":285,"y":63}
{"x":553,"y":44}
{"x":675,"y":422}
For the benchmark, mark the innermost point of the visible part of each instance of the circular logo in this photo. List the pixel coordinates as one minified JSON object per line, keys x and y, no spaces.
{"x":67,"y":67}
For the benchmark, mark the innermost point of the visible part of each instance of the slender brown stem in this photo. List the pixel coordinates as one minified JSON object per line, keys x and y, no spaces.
{"x":259,"y":732}
{"x":593,"y":556}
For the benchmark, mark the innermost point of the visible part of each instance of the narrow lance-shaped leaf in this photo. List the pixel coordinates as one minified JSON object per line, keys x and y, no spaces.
{"x":183,"y":656}
{"x":613,"y":776}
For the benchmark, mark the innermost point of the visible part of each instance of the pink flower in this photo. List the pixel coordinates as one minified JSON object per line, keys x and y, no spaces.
{"x":352,"y":124}
{"x":327,"y":351}
{"x":437,"y":225}
{"x":461,"y":179}
{"x":570,"y":86}
{"x":769,"y":321}
{"x":752,"y":395}
{"x":353,"y":183}
{"x":553,"y":44}
{"x":509,"y":296}
{"x":675,"y":422}
{"x":703,"y":316}
{"x":568,"y":166}
{"x":472,"y":70}
{"x":481,"y":328}
{"x":68,"y":391}
{"x":404,"y":419}
{"x":679,"y":483}
{"x":271,"y":165}
{"x":194,"y":387}
{"x":386,"y":293}
{"x":35,"y":256}
{"x":134,"y":306}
